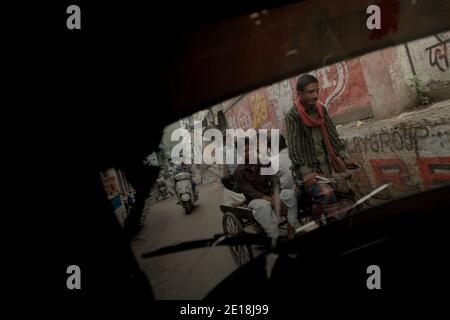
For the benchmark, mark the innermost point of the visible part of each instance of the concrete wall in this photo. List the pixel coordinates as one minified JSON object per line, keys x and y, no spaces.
{"x":412,"y":150}
{"x":343,"y":90}
{"x":430,"y":58}
{"x":376,"y":85}
{"x":387,"y":76}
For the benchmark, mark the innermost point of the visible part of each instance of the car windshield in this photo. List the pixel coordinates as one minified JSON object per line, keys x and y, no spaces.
{"x":387,"y":111}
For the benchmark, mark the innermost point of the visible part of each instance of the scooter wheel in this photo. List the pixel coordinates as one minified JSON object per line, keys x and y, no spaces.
{"x":188,"y":208}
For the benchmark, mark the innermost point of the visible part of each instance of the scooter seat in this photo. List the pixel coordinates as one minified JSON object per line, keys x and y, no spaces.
{"x":182,"y":176}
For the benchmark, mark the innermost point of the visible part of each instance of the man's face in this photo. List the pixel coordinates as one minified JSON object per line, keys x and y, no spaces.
{"x":309,"y":95}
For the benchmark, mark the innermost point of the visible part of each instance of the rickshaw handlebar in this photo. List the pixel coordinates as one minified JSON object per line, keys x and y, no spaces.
{"x":351,"y":170}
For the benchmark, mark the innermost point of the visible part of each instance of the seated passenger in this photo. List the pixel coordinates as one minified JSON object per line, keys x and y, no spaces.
{"x":231,"y":195}
{"x":258,"y":190}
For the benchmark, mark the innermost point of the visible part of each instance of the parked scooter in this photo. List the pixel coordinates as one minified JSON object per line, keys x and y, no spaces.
{"x":185,"y":193}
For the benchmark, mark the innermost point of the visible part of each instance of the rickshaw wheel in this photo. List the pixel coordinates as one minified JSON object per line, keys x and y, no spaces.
{"x":233,"y":225}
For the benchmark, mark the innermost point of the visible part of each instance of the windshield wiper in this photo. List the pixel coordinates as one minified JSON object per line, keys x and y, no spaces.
{"x":217,"y":240}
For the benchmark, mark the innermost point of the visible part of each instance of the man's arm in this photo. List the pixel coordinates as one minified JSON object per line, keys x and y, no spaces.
{"x":334,"y":136}
{"x":294,"y":147}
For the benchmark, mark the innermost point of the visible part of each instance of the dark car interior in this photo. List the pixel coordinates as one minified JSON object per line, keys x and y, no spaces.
{"x":136,"y":68}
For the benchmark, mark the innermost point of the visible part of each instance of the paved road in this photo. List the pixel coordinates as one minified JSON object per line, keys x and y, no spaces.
{"x":190,"y":274}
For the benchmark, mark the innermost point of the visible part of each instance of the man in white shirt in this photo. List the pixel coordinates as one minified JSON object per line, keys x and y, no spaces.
{"x":288,"y":195}
{"x":284,"y":172}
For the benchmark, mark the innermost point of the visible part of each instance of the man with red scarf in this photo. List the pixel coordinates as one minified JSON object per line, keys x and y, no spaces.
{"x":314,"y":145}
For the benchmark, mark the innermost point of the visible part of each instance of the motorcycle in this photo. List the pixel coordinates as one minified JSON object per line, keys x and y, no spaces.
{"x":186,"y":194}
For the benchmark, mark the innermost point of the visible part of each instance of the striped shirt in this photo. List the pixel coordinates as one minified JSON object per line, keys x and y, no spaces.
{"x":304,"y":153}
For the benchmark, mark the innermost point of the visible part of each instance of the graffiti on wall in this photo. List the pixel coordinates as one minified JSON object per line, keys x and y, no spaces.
{"x":231,"y":121}
{"x":438,"y":53}
{"x":343,"y":87}
{"x":267,"y":107}
{"x":433,"y":172}
{"x":405,"y":138}
{"x":333,"y":80}
{"x":410,"y":155}
{"x":281,"y":97}
{"x":253,"y":111}
{"x":244,"y":119}
{"x":258,"y":105}
{"x":390,"y":170}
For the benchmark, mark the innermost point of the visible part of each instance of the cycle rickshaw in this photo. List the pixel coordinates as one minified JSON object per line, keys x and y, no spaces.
{"x":239,"y":219}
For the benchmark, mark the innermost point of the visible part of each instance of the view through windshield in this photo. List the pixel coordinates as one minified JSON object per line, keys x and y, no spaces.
{"x":387,"y":112}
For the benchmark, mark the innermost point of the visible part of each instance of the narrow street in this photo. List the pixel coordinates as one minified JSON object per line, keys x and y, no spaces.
{"x":189,"y":274}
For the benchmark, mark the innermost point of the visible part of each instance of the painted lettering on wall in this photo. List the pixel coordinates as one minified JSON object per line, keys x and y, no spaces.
{"x":434,"y":171}
{"x":403,"y":138}
{"x":438,"y":54}
{"x":389,"y":170}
